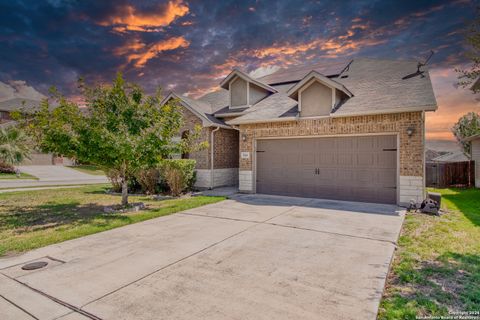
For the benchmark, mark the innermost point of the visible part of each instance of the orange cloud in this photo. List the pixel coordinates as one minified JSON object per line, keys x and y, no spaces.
{"x":139,"y":53}
{"x":129,"y":19}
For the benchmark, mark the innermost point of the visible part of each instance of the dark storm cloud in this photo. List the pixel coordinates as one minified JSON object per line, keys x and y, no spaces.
{"x":188,"y":46}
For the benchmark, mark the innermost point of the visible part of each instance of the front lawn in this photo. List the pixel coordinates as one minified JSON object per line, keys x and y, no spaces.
{"x":10,"y":176}
{"x":33,"y":219}
{"x":436,"y":269}
{"x":90,"y":169}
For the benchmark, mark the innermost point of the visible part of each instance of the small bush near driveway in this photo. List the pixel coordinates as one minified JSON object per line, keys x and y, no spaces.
{"x":33,"y":219}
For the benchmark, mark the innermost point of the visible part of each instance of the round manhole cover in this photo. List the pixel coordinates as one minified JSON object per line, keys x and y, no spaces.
{"x":34,"y":265}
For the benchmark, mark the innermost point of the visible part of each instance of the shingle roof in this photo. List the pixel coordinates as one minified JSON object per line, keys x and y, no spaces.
{"x":276,"y":106}
{"x":451,"y":157}
{"x":217,"y":99}
{"x":201,"y":108}
{"x":376,"y":87}
{"x":297,"y":73}
{"x":19,"y":104}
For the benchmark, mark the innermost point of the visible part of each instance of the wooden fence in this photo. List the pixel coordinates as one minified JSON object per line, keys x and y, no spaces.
{"x":449,"y":174}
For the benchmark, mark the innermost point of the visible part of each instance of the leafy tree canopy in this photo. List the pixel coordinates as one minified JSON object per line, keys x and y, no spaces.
{"x":468,"y":125}
{"x":120,"y":128}
{"x":470,"y":78}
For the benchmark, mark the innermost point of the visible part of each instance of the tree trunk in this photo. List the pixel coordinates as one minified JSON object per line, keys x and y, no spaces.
{"x":124,"y":191}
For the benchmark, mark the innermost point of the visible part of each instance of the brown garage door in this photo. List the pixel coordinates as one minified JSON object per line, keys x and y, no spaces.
{"x":343,"y":168}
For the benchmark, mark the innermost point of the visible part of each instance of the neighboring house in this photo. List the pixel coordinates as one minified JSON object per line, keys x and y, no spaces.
{"x":16,"y":95}
{"x":457,"y":156}
{"x":349,"y":131}
{"x":432,"y":154}
{"x":475,"y":155}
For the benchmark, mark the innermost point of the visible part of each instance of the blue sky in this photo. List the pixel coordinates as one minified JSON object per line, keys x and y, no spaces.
{"x":188,"y":46}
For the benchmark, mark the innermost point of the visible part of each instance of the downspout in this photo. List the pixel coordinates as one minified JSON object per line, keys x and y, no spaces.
{"x":212,"y":157}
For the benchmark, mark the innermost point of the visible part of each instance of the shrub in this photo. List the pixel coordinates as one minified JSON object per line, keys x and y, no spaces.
{"x":115,"y":179}
{"x":148,"y":180}
{"x":179,"y":174}
{"x":6,"y":168}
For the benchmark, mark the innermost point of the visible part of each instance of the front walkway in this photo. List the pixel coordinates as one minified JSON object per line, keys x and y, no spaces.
{"x":249,"y":257}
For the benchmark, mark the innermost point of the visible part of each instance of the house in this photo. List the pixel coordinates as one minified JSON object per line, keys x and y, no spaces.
{"x":475,"y":155}
{"x":457,"y":156}
{"x":351,"y":130}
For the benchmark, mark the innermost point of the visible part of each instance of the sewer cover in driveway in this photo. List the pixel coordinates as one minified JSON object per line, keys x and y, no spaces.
{"x":34,"y":265}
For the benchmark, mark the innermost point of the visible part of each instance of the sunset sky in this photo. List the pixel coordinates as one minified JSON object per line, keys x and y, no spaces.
{"x":189,"y":46}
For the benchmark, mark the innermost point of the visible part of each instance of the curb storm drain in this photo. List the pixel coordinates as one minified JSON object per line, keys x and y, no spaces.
{"x":35,"y":265}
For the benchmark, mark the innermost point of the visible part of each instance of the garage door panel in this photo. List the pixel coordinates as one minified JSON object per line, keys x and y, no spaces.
{"x":343,"y":168}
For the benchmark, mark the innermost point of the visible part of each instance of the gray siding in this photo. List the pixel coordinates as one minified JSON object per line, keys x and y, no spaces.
{"x":256,"y":94}
{"x":316,"y":100}
{"x":238,"y":93}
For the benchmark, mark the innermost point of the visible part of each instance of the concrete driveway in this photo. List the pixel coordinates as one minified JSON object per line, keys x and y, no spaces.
{"x":250,"y":257}
{"x":51,"y":176}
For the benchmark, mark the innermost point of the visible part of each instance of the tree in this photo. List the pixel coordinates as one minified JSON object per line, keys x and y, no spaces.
{"x":471,"y":78}
{"x":14,"y":145}
{"x":468,"y":125}
{"x":121,"y":128}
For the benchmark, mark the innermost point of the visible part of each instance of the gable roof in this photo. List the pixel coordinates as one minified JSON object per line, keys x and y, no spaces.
{"x":373,"y":86}
{"x":376,"y":87}
{"x":244,"y":76}
{"x":201,"y":109}
{"x":293,"y":91}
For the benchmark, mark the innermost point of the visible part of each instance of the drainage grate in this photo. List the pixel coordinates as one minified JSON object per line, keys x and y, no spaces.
{"x":35,"y":265}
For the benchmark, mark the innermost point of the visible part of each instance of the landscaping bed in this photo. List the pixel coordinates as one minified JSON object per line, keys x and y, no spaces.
{"x":33,"y":219}
{"x":436,"y":269}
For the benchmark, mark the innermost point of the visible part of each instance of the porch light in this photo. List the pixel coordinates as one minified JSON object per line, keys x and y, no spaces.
{"x":244,"y":137}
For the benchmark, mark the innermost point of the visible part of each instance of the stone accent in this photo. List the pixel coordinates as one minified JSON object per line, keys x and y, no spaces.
{"x":221,"y":177}
{"x":245,"y":181}
{"x":411,"y":148}
{"x":411,"y":188}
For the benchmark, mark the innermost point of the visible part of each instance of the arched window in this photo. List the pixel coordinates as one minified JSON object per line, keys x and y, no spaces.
{"x":185,"y":134}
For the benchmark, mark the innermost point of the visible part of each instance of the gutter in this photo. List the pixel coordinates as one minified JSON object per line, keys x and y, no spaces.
{"x":212,"y":156}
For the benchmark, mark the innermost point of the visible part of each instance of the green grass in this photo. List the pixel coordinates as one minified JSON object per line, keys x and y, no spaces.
{"x":436,"y":269}
{"x":33,"y":219}
{"x":11,"y":176}
{"x":90,"y":169}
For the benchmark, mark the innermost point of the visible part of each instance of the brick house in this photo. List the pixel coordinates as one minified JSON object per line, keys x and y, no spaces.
{"x":349,"y":131}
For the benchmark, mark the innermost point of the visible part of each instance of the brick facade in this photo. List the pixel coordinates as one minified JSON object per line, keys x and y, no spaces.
{"x":411,"y":148}
{"x":226,"y":149}
{"x":226,"y":153}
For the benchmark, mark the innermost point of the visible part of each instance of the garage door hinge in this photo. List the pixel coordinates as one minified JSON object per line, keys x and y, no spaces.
{"x":389,"y":149}
{"x":260,"y":151}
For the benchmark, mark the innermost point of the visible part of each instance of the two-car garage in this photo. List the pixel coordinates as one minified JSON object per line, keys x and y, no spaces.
{"x":355,"y":168}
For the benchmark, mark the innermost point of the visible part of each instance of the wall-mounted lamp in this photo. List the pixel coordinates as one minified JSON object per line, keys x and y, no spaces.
{"x":410,"y":131}
{"x":244,"y":137}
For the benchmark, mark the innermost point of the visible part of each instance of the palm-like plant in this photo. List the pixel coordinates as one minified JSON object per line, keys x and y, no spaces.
{"x":14,"y":145}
